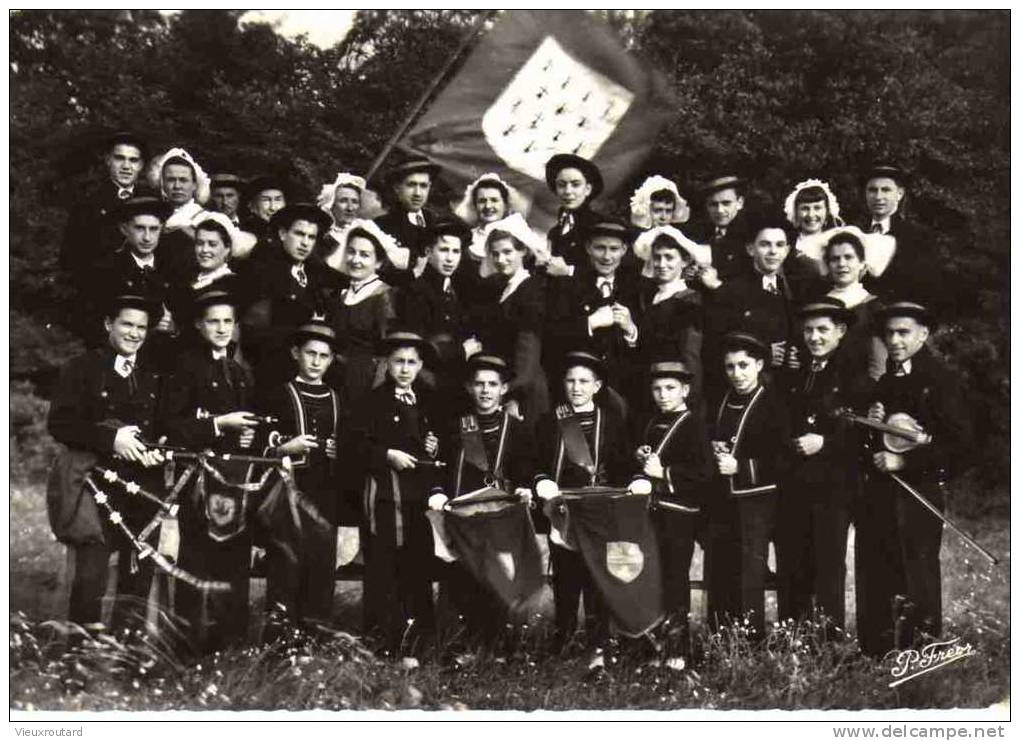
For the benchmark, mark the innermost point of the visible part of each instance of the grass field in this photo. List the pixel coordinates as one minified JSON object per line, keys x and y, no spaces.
{"x":335,"y":670}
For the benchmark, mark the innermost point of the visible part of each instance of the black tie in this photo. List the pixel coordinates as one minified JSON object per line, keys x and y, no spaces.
{"x":129,"y":366}
{"x":876,"y":228}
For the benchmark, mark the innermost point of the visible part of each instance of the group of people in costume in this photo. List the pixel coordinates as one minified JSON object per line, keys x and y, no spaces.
{"x":400,"y":356}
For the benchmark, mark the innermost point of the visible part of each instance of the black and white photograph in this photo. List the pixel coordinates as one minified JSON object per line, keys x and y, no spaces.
{"x":510,"y":365}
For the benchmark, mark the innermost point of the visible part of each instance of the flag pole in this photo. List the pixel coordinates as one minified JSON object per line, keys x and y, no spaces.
{"x":420,"y":103}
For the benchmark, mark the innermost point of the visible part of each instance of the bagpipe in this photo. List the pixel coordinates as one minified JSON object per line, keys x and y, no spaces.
{"x":218,"y":497}
{"x":902,"y":433}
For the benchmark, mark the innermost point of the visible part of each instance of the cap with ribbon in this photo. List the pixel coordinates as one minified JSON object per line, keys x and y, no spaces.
{"x":398,"y":338}
{"x":584,"y":359}
{"x":610,"y":228}
{"x":286,"y":216}
{"x":672,"y":368}
{"x":484,"y":361}
{"x":899,"y":309}
{"x":213,"y":297}
{"x":177,"y":153}
{"x":721,"y":182}
{"x":315,"y":329}
{"x":226,"y":180}
{"x":735,"y":341}
{"x":409,"y":166}
{"x":117,"y":303}
{"x":641,"y":202}
{"x":884,"y":169}
{"x":828,"y":306}
{"x":138,"y":205}
{"x":261,"y":183}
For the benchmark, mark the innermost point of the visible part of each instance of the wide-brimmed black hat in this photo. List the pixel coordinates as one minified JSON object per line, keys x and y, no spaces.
{"x":885,"y":169}
{"x":733,"y":341}
{"x":911,"y":309}
{"x":611,"y":228}
{"x":588,"y":168}
{"x":671,"y":369}
{"x":127,"y":137}
{"x":286,"y":216}
{"x":828,"y":306}
{"x":227,"y":180}
{"x":409,"y":166}
{"x":213,"y":297}
{"x":316,"y":329}
{"x":586,"y":359}
{"x":153,"y":308}
{"x":485,"y":361}
{"x":149,"y":205}
{"x":396,"y":339}
{"x":720,"y":182}
{"x":450,"y":226}
{"x":263,"y":183}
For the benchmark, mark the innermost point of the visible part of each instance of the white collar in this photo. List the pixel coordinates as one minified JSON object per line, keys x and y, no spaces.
{"x":147,"y":262}
{"x":204,"y":279}
{"x":514,"y":283}
{"x":183,"y":216}
{"x":411,"y":216}
{"x":299,"y":379}
{"x":907,"y":366}
{"x":129,"y":188}
{"x":886,"y":223}
{"x":669,"y":290}
{"x":853,"y":295}
{"x":355,"y":294}
{"x":770,"y":281}
{"x":601,"y":280}
{"x":219,"y":353}
{"x":120,"y":364}
{"x":589,"y":407}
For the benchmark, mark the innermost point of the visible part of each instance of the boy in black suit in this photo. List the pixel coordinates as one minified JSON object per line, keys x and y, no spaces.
{"x":394,"y":441}
{"x":674,"y":453}
{"x":750,"y":437}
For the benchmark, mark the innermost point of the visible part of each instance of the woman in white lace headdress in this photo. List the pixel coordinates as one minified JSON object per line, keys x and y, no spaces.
{"x":812,"y":208}
{"x":346,"y":199}
{"x":184,"y":184}
{"x":487,"y":200}
{"x":658,"y":203}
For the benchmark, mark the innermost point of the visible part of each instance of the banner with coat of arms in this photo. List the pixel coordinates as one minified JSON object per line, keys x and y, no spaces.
{"x":615,"y":536}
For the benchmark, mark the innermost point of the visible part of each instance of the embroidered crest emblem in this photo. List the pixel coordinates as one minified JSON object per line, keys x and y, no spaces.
{"x":505,"y":559}
{"x":624,"y":560}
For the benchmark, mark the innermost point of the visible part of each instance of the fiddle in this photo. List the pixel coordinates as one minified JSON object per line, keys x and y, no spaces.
{"x":901,"y":433}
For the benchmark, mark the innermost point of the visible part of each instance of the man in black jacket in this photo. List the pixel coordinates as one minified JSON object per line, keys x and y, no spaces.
{"x":723,"y":226}
{"x":899,"y":579}
{"x":406,"y":187}
{"x":103,"y":407}
{"x":814,"y":509}
{"x":91,"y":232}
{"x":914,"y":269}
{"x":596,"y":310}
{"x":139,"y":267}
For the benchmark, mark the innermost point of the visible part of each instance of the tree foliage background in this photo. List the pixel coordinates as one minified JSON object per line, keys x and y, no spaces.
{"x":780,"y":95}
